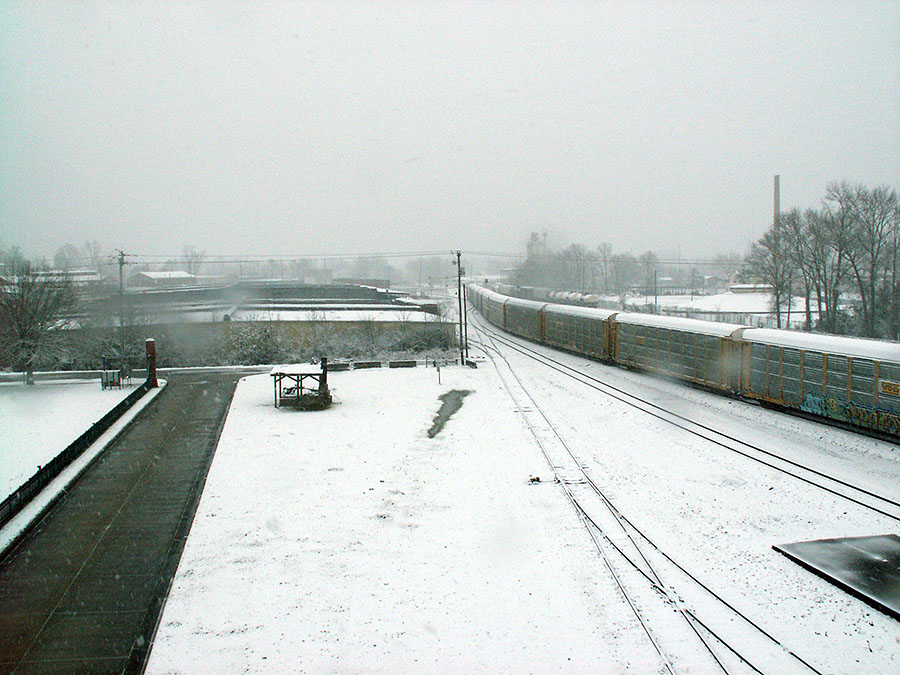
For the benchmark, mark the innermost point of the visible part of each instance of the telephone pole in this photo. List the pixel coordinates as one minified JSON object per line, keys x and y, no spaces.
{"x":459,"y":272}
{"x":120,"y":257}
{"x":465,"y":305}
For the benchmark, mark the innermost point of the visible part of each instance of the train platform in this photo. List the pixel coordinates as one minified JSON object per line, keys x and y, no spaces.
{"x":82,"y":591}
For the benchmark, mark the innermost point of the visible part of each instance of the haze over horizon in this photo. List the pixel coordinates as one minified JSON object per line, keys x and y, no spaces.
{"x":317,"y":128}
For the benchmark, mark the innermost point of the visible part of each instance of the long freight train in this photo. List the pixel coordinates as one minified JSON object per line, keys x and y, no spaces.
{"x":850,"y":380}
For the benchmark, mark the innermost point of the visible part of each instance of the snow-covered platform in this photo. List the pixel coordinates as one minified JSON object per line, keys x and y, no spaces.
{"x":350,"y":541}
{"x":37,"y":422}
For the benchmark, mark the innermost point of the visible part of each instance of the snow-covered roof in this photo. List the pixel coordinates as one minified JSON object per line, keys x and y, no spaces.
{"x":173,"y":274}
{"x":587,"y":312}
{"x":678,"y":323}
{"x":77,"y":277}
{"x":878,"y":350}
{"x":525,"y":304}
{"x":297,"y":369}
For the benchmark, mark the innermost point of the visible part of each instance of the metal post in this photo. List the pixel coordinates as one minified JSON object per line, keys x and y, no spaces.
{"x":465,"y":305}
{"x":655,"y":298}
{"x":122,"y":311}
{"x":459,"y":297}
{"x":150,"y":345}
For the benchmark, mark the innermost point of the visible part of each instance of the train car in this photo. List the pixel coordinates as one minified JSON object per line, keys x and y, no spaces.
{"x":491,"y":305}
{"x":540,"y":293}
{"x":578,"y":329}
{"x":702,"y":352}
{"x":525,"y":318}
{"x":850,"y":380}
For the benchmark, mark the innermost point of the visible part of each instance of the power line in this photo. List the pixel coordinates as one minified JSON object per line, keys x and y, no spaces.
{"x":589,"y":257}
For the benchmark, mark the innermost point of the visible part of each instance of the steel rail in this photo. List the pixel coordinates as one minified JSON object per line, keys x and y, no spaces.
{"x":583,"y":517}
{"x":652,"y":577}
{"x":624,"y":396}
{"x":622,"y":520}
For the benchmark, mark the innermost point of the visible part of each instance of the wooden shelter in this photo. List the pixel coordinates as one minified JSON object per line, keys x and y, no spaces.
{"x":302,"y":385}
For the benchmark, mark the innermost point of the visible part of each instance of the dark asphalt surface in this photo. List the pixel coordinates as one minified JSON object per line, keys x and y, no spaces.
{"x":82,"y":592}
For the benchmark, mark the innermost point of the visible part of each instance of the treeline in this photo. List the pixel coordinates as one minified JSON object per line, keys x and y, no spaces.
{"x":605,"y":272}
{"x":841,"y":255}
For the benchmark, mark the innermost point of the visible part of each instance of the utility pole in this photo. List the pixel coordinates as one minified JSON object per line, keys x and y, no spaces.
{"x":459,"y":271}
{"x":465,"y":305}
{"x":655,"y":295}
{"x":120,"y":255}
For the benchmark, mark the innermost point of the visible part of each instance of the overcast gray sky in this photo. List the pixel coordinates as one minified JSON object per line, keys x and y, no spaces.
{"x":291,"y":128}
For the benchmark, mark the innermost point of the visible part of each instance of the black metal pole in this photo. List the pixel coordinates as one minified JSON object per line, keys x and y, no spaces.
{"x":122,"y":312}
{"x":466,"y":319}
{"x":459,"y":297}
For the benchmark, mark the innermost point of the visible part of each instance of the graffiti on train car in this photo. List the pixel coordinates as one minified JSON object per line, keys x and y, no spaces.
{"x":853,"y":413}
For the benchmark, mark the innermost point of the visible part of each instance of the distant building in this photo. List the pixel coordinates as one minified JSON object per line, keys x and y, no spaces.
{"x":162,"y":279}
{"x":537,"y":244}
{"x":750,"y":288}
{"x":78,"y":278}
{"x":376,"y":283}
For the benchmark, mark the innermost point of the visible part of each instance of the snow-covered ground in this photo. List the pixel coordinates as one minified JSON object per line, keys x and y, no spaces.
{"x":750,"y":308}
{"x":37,"y":422}
{"x":719,"y":513}
{"x":349,"y":541}
{"x":751,"y":303}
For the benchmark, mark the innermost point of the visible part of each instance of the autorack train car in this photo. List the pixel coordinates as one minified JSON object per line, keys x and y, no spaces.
{"x":853,"y":381}
{"x":701,"y":352}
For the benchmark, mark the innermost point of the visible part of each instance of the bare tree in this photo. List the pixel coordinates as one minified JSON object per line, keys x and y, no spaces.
{"x":798,"y":249}
{"x":873,"y":233}
{"x":649,"y":263}
{"x":94,"y":253}
{"x":604,"y":252}
{"x":624,"y":272}
{"x":33,"y":309}
{"x":67,"y":257}
{"x":769,"y":260}
{"x":192,"y":259}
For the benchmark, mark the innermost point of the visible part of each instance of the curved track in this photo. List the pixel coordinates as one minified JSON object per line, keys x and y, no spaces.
{"x":712,"y":633}
{"x":856,"y":494}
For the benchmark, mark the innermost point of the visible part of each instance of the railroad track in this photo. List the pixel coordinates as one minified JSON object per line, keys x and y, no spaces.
{"x":856,"y":494}
{"x":689,"y":625}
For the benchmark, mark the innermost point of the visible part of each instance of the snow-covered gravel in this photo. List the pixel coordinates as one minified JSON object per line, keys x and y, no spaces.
{"x":38,"y":421}
{"x":719,"y":513}
{"x":349,"y":541}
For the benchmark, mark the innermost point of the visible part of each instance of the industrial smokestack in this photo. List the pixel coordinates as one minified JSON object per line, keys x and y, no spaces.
{"x":777,"y":199}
